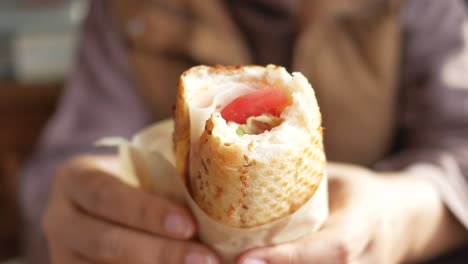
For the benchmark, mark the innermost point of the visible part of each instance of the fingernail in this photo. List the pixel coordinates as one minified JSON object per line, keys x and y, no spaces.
{"x":199,"y":258}
{"x":253,"y":261}
{"x":176,"y":225}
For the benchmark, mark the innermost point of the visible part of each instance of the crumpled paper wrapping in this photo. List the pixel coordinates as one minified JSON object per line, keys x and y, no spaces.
{"x":148,"y":162}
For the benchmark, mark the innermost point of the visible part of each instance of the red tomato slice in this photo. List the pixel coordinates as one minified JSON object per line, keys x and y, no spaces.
{"x":268,"y":100}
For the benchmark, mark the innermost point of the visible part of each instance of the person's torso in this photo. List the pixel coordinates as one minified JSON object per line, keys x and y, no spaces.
{"x":349,"y":53}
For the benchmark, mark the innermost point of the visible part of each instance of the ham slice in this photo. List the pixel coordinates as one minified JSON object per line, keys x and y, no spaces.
{"x":261,"y":176}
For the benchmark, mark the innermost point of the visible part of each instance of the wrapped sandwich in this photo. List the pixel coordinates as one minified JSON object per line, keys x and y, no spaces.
{"x":248,"y":142}
{"x":246,"y":156}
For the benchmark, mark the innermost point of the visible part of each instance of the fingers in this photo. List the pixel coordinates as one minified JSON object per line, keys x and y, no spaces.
{"x":58,"y":254}
{"x":322,"y":248}
{"x":102,"y":242}
{"x":98,"y":193}
{"x":344,"y":238}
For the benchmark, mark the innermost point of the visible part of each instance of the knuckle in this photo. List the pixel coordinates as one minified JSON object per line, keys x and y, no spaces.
{"x":72,"y":168}
{"x":173,"y":252}
{"x":64,"y":177}
{"x":108,"y":247}
{"x":342,"y":252}
{"x":146,"y":216}
{"x":86,"y":185}
{"x":293,"y":255}
{"x":287,"y":254}
{"x":99,"y":194}
{"x":67,"y":167}
{"x":151,"y":213}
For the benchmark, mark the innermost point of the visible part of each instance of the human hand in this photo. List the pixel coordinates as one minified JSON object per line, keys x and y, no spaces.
{"x":92,"y":217}
{"x":373,"y":219}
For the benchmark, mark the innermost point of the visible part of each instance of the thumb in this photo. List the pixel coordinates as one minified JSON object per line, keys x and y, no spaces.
{"x":343,"y":239}
{"x":317,"y":250}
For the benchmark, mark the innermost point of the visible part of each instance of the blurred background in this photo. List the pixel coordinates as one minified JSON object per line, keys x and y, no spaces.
{"x":38,"y":40}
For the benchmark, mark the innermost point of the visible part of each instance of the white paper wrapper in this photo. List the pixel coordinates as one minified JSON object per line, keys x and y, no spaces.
{"x":149,"y":163}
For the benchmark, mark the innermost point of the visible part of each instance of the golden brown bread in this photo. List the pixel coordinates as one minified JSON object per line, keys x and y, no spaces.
{"x":248,"y":180}
{"x":181,"y":135}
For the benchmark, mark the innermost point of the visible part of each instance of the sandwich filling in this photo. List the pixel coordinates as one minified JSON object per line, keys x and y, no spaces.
{"x":257,"y":111}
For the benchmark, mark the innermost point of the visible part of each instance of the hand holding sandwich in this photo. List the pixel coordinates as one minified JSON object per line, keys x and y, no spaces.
{"x":94,"y":218}
{"x":248,"y":149}
{"x":374,"y":218}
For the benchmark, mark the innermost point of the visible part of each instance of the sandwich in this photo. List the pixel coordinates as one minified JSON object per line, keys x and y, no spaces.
{"x":248,"y":142}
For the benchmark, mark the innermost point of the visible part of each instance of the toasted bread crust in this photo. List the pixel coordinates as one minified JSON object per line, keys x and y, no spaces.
{"x":247,"y":183}
{"x":181,"y":136}
{"x":231,"y":184}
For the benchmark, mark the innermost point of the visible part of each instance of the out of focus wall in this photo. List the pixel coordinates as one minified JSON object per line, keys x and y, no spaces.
{"x":38,"y":40}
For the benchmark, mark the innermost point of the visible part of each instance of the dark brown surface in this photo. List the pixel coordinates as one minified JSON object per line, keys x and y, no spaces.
{"x":458,"y":256}
{"x":24,"y":110}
